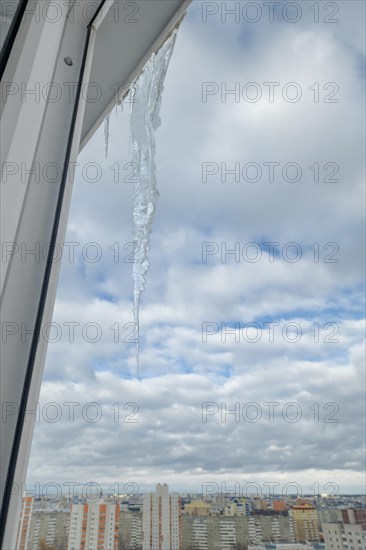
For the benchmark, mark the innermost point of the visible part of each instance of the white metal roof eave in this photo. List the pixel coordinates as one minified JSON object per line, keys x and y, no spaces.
{"x":93,"y":110}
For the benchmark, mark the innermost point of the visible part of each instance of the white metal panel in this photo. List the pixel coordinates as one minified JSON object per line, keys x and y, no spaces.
{"x":40,"y":134}
{"x":126,"y":38}
{"x":24,"y":451}
{"x":23,"y":111}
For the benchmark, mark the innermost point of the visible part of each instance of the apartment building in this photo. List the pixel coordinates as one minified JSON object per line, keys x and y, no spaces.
{"x":197,"y":508}
{"x":94,"y":527}
{"x":329,"y":515}
{"x":227,"y":532}
{"x":305,"y":522}
{"x":49,"y":527}
{"x":354,"y":536}
{"x":130,"y":530}
{"x":344,"y":536}
{"x":25,"y":523}
{"x":279,"y":506}
{"x":352,"y":515}
{"x":161,"y":523}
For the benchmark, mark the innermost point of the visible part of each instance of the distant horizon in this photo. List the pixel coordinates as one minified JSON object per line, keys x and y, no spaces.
{"x":107,"y":491}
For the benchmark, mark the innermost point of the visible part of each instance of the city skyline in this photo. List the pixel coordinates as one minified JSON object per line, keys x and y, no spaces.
{"x":166,"y":520}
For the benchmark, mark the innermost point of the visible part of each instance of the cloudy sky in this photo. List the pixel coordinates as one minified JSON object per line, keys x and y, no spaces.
{"x":280,"y":324}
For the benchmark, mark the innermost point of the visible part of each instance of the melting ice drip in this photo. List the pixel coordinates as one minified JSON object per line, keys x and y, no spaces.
{"x":106,"y":135}
{"x":145,"y":97}
{"x":106,"y":128}
{"x":144,"y":121}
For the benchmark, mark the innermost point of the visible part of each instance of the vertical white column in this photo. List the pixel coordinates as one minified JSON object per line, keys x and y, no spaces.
{"x":42,"y":129}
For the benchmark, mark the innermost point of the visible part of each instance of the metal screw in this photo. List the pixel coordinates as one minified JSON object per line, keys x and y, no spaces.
{"x":68,"y":61}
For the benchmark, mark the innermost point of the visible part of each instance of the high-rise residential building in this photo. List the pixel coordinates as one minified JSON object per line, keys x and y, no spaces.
{"x":255,"y":531}
{"x":51,"y":527}
{"x":344,"y":536}
{"x":260,"y":504}
{"x":332,"y":533}
{"x":290,"y":546}
{"x":236,"y":508}
{"x":161,"y":523}
{"x":279,"y":506}
{"x":130,"y":530}
{"x":354,"y":516}
{"x":329,"y":515}
{"x":25,"y":523}
{"x":354,"y":536}
{"x":197,"y":508}
{"x":228,"y":532}
{"x":195,"y":532}
{"x":94,"y":527}
{"x":305,"y":522}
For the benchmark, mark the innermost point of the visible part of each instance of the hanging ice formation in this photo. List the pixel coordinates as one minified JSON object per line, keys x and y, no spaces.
{"x":106,"y":135}
{"x":144,"y":121}
{"x":119,"y":103}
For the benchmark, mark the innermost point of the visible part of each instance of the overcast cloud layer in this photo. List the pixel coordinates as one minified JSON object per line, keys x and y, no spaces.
{"x":311,"y":356}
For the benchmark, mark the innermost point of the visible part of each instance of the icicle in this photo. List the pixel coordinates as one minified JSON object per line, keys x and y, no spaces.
{"x":144,"y":121}
{"x":119,"y":104}
{"x":106,"y":135}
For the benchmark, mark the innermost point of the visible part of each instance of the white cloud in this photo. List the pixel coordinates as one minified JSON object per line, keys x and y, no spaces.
{"x":170,"y":442}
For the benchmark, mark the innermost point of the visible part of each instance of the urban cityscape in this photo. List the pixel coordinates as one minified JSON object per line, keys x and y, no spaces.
{"x":182,"y":275}
{"x":165,"y":520}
